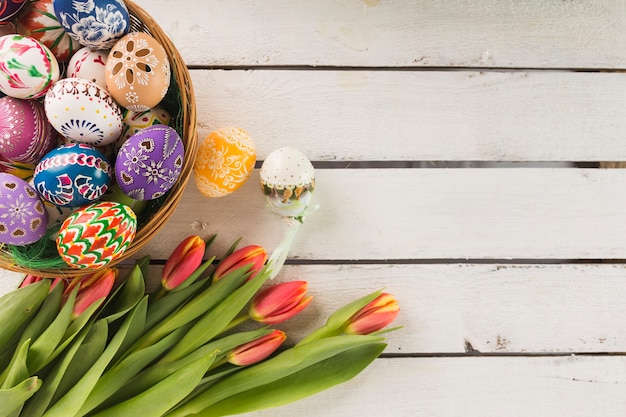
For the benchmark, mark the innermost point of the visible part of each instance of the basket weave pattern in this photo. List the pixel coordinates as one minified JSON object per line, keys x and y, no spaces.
{"x":180,"y":103}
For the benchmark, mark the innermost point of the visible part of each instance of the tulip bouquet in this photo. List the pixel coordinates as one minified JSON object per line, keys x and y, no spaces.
{"x":98,"y":347}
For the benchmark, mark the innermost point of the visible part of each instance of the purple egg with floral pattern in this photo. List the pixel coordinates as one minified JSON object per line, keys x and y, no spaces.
{"x":9,"y":8}
{"x":97,"y":24}
{"x":25,"y":134}
{"x":23,"y":218}
{"x":149,"y":162}
{"x":72,"y":175}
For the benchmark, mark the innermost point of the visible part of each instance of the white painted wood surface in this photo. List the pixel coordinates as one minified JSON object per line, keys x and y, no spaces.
{"x":511,"y":280}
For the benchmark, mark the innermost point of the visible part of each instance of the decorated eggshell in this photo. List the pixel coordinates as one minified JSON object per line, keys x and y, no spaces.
{"x":115,"y":193}
{"x":23,"y":218}
{"x":97,"y":24}
{"x":84,"y":112}
{"x":25,"y":134}
{"x":149,"y":162}
{"x":19,"y":169}
{"x":88,"y":64}
{"x":9,"y":8}
{"x":288,"y":181}
{"x":138,"y":72}
{"x":72,"y":175}
{"x":40,"y":23}
{"x":96,"y":235}
{"x":32,"y":69}
{"x":135,"y":121}
{"x":224,"y":161}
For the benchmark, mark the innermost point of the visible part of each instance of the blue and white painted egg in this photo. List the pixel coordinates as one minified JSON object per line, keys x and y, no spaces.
{"x":97,"y":24}
{"x":149,"y":162}
{"x":72,"y":175}
{"x":23,"y":218}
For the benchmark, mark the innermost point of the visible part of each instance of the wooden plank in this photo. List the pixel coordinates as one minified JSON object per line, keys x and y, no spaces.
{"x":420,"y":116}
{"x":559,"y":213}
{"x":471,"y":308}
{"x":576,"y":386}
{"x":426,"y":33}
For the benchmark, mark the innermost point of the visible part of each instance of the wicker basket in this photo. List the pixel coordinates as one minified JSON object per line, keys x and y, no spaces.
{"x":180,"y":102}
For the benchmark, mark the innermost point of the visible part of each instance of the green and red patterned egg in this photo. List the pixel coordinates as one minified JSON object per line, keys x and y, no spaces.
{"x":96,"y":235}
{"x":40,"y":23}
{"x":27,"y":67}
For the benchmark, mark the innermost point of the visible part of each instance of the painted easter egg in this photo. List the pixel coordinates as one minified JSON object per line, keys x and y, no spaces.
{"x":84,"y":112}
{"x":115,"y":193}
{"x":23,"y":218}
{"x":25,"y":134}
{"x":72,"y":175}
{"x":149,"y":162}
{"x":9,"y":8}
{"x":224,"y":161}
{"x":135,"y":121}
{"x":88,"y":64}
{"x":21,"y":170}
{"x":288,"y":181}
{"x":138,"y":72}
{"x":96,"y":235}
{"x":40,"y":23}
{"x":27,"y":67}
{"x":97,"y":24}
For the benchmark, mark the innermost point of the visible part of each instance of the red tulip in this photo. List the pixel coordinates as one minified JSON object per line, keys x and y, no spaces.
{"x":257,"y":350}
{"x":252,"y":255}
{"x":31,"y":279}
{"x":279,"y":302}
{"x":374,"y":316}
{"x":183,"y":261}
{"x":91,"y":289}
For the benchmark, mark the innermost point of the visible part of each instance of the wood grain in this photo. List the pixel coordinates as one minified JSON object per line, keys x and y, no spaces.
{"x":369,"y":214}
{"x":407,"y":33}
{"x":420,"y":116}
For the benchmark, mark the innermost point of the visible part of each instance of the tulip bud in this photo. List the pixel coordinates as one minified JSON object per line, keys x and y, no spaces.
{"x":257,"y":350}
{"x":374,"y":316}
{"x":249,"y":255}
{"x":92,"y":288}
{"x":183,"y":261}
{"x":30,"y":279}
{"x":279,"y":302}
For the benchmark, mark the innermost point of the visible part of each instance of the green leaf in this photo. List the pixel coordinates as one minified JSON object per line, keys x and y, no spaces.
{"x":160,"y":309}
{"x":214,"y":322}
{"x":195,"y":307}
{"x":70,"y":403}
{"x":337,"y":321}
{"x":280,"y":366}
{"x":164,"y":395}
{"x":18,"y":306}
{"x":126,"y":296}
{"x":135,"y":330}
{"x":12,"y":399}
{"x":304,"y":383}
{"x":88,"y":353}
{"x":45,"y":315}
{"x":17,"y":371}
{"x":47,"y":342}
{"x":118,"y":376}
{"x":37,"y":405}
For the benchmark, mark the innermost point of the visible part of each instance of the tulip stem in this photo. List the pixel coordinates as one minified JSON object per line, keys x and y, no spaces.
{"x":237,"y":321}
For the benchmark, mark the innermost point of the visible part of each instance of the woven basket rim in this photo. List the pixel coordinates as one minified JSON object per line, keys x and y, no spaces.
{"x":189,"y":135}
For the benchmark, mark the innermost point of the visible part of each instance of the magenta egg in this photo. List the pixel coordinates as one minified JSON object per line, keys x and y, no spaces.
{"x":25,"y":133}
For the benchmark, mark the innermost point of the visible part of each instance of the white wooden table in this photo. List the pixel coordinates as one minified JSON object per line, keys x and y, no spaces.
{"x":456,"y":147}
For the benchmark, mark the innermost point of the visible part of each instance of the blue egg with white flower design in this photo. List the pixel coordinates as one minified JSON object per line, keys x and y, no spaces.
{"x":97,"y":24}
{"x":72,"y":175}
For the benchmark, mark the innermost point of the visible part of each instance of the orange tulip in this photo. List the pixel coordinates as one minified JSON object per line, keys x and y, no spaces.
{"x":183,"y":261}
{"x":252,"y":255}
{"x":374,"y":316}
{"x":279,"y":302}
{"x":257,"y":350}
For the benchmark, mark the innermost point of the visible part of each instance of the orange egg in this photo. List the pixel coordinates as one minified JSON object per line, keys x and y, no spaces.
{"x":224,"y":161}
{"x":137,"y":72}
